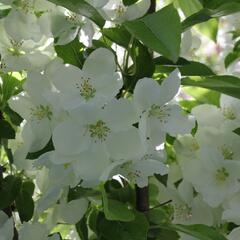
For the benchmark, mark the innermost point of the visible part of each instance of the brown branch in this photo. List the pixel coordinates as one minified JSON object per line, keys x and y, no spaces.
{"x":142,"y":199}
{"x":152,"y":8}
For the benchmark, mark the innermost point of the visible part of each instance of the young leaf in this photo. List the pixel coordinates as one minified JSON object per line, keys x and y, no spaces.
{"x":115,"y":210}
{"x":160,"y":31}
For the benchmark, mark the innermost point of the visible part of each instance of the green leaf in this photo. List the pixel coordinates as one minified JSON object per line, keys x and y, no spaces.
{"x":34,"y":155}
{"x":116,"y":210}
{"x":135,"y":230}
{"x":9,"y":190}
{"x":158,"y":34}
{"x":229,"y":85}
{"x":25,"y":205}
{"x":203,"y":95}
{"x":157,"y":215}
{"x":212,"y":9}
{"x":209,"y":28}
{"x":140,"y":55}
{"x":28,"y":187}
{"x":12,"y":116}
{"x":82,"y":228}
{"x":198,"y":17}
{"x":10,"y":86}
{"x":71,"y":53}
{"x":187,"y":68}
{"x":83,"y":8}
{"x":4,"y":12}
{"x":129,"y":2}
{"x":118,"y":35}
{"x":230,"y":58}
{"x":202,"y":232}
{"x":189,"y":7}
{"x":6,"y":130}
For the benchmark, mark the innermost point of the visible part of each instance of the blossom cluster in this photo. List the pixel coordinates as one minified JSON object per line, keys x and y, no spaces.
{"x":95,"y":131}
{"x":208,"y":164}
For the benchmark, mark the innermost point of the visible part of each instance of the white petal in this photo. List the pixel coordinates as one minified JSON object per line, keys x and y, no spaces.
{"x":69,"y":138}
{"x":31,"y":231}
{"x":6,"y":226}
{"x":99,"y":62}
{"x":36,"y":134}
{"x":147,"y":168}
{"x":22,"y":105}
{"x":120,"y":114}
{"x":146,"y":93}
{"x":178,"y":122}
{"x":129,"y":140}
{"x":170,"y":87}
{"x":89,"y":165}
{"x":73,"y":211}
{"x":137,"y":10}
{"x":208,"y":115}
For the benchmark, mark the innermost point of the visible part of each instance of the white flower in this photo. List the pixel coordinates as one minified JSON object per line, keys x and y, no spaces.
{"x":231,"y":209}
{"x":138,"y":170}
{"x":6,"y":227}
{"x":17,"y":55}
{"x":213,"y":177}
{"x":117,"y":12}
{"x":67,"y":25}
{"x":36,"y":231}
{"x":36,"y":110}
{"x":158,"y":115}
{"x":189,"y":209}
{"x":71,"y":212}
{"x":110,"y":126}
{"x":230,"y":108}
{"x":227,"y":116}
{"x":224,"y":141}
{"x":98,"y":82}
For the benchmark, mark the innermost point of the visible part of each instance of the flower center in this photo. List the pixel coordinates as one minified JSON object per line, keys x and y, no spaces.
{"x":25,"y":5}
{"x":87,"y":91}
{"x":15,"y":48}
{"x":74,"y":19}
{"x":229,"y":113}
{"x":227,"y":152}
{"x":182,"y":211}
{"x":120,"y":10}
{"x":41,"y":112}
{"x":3,"y":65}
{"x":158,"y":112}
{"x":99,"y":131}
{"x":221,"y":174}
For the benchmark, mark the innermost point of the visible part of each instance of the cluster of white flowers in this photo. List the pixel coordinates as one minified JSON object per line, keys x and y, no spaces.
{"x":209,"y":166}
{"x":95,"y":134}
